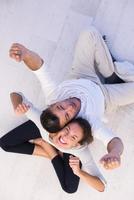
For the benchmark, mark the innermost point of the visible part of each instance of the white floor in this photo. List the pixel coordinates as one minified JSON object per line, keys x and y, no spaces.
{"x":51,"y":28}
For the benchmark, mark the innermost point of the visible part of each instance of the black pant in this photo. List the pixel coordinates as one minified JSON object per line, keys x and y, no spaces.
{"x":68,"y":180}
{"x":17,"y":141}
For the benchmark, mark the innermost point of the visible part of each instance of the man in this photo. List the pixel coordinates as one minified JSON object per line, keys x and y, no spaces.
{"x":83,"y":96}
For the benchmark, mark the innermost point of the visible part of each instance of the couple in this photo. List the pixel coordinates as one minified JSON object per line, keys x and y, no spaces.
{"x":83,"y":96}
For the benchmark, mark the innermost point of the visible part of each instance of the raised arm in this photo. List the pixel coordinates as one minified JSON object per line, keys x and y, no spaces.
{"x":92,"y":181}
{"x":114,"y":146}
{"x":35,"y":63}
{"x":20,"y":53}
{"x":89,"y":172}
{"x":22,"y":106}
{"x":112,"y":159}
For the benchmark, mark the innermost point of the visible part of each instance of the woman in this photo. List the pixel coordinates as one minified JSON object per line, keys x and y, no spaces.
{"x":63,"y":163}
{"x":67,"y":167}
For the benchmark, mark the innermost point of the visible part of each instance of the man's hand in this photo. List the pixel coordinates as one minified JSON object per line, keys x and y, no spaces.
{"x":110,"y":161}
{"x":18,"y":52}
{"x":21,"y":109}
{"x":74,"y":163}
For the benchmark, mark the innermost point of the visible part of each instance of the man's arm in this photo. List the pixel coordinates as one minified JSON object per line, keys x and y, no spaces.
{"x":112,"y":160}
{"x":20,"y":53}
{"x":35,"y":63}
{"x":22,"y":106}
{"x":113,"y":143}
{"x":115,"y":146}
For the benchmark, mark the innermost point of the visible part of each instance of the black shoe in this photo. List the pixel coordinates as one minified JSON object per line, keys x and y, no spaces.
{"x":113,"y":79}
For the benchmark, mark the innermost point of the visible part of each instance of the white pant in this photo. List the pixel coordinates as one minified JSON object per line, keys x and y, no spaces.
{"x":92,"y":56}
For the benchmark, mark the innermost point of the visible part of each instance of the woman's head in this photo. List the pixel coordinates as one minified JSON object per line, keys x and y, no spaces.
{"x":74,"y":134}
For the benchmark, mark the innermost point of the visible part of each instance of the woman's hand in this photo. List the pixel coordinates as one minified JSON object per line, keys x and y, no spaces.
{"x":74,"y":163}
{"x":92,"y":181}
{"x":38,"y":141}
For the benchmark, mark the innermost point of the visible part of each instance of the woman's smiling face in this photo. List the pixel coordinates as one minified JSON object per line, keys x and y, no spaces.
{"x":69,"y":136}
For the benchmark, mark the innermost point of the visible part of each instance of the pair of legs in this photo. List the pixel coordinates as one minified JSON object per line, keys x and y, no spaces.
{"x":17,"y":141}
{"x":92,"y":59}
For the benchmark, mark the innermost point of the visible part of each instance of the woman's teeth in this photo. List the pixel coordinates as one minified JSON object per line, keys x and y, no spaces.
{"x":62,"y":141}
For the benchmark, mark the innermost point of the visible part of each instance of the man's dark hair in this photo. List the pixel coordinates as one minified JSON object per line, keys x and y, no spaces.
{"x":87,"y":132}
{"x":50,"y":121}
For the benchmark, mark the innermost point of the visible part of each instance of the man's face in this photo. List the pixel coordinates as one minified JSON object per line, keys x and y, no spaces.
{"x":66,"y":110}
{"x":69,"y":136}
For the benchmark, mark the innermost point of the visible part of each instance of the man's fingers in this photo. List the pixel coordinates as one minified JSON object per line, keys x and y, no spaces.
{"x":110,"y":162}
{"x":16,"y":51}
{"x":15,"y":56}
{"x":102,"y":162}
{"x":22,"y":108}
{"x":17,"y":46}
{"x":111,"y":165}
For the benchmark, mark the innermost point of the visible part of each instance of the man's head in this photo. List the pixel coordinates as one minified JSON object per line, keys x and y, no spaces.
{"x":74,"y":134}
{"x":59,"y":114}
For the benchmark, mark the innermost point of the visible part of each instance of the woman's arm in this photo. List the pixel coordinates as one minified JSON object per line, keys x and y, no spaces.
{"x":48,"y":148}
{"x":68,"y":180}
{"x":92,"y":181}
